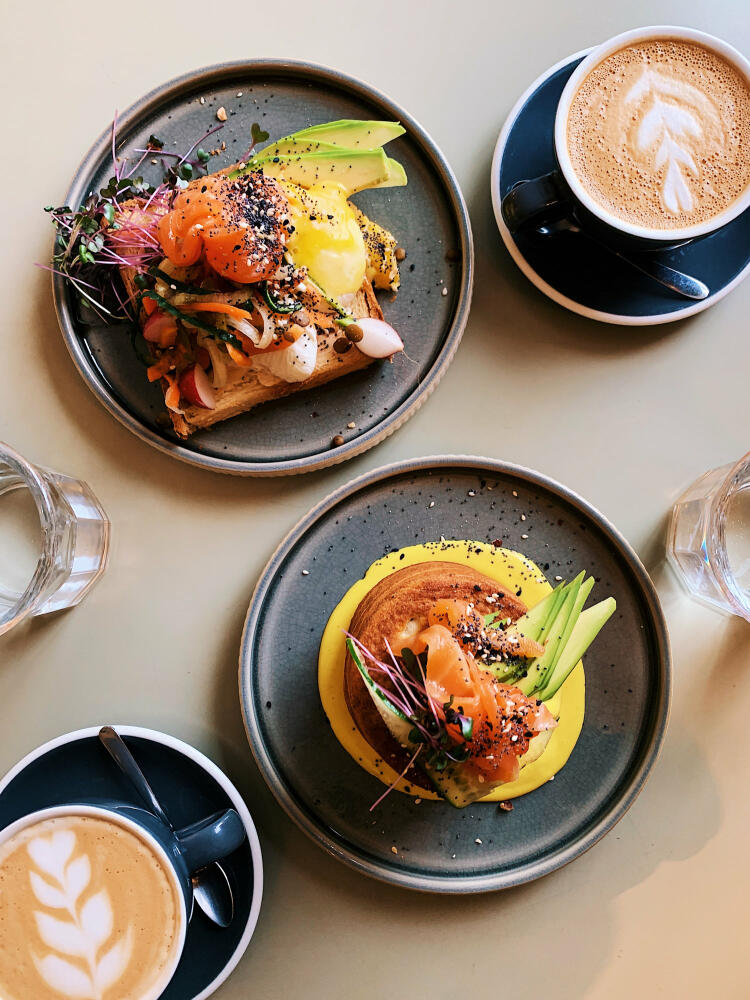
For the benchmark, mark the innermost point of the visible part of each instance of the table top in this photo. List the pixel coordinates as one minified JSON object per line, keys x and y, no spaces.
{"x":638,"y":415}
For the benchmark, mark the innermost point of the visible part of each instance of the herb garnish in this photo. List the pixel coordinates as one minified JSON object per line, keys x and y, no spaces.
{"x":406,"y":691}
{"x":94,"y":240}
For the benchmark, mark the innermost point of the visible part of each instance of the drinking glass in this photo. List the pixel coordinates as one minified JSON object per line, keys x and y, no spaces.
{"x":709,"y":538}
{"x":58,"y":529}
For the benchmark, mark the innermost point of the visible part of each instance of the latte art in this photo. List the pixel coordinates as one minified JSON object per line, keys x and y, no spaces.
{"x":87,"y":912}
{"x":658,"y":134}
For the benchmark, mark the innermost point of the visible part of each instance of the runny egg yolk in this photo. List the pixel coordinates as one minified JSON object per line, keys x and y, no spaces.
{"x":326,"y":238}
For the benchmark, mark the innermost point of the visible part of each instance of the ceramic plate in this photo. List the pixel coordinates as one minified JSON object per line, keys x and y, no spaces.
{"x":189,"y":786}
{"x":329,"y":796}
{"x":578,"y":274}
{"x":428,"y":217}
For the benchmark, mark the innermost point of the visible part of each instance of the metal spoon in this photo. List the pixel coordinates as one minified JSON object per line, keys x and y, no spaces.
{"x":211,"y":887}
{"x":676,"y":281}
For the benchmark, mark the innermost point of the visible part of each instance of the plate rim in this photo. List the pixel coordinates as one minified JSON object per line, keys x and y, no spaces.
{"x":141,"y":108}
{"x":383,"y":871}
{"x":616,"y":319}
{"x":211,"y":768}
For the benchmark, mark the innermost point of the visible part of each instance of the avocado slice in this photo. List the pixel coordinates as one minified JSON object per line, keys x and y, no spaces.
{"x":293,"y":146}
{"x":583,"y":589}
{"x":589,"y":624}
{"x":352,"y":169}
{"x":396,"y":175}
{"x":538,"y":668}
{"x":351,"y":133}
{"x":531,"y":625}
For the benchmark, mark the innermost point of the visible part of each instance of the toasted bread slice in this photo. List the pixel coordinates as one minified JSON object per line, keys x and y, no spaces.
{"x":244,"y":388}
{"x":405,"y":597}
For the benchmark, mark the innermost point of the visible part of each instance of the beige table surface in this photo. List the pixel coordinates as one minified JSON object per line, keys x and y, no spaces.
{"x":660,"y":907}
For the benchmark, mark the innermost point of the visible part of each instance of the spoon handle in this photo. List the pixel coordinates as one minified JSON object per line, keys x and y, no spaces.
{"x":119,"y":752}
{"x":677,"y":281}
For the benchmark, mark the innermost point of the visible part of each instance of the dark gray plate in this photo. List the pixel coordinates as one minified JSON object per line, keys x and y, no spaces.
{"x":628,"y":676}
{"x":428,"y":217}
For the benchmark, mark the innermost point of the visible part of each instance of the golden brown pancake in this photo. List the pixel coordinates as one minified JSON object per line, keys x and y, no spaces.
{"x":397,"y":605}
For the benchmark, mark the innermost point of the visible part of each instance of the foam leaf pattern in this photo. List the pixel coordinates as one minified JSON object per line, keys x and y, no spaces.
{"x":61,"y":935}
{"x":112,"y":963}
{"x":88,"y":928}
{"x":96,"y":918}
{"x":673,"y":119}
{"x":77,"y":877}
{"x":66,"y":978}
{"x":47,"y":894}
{"x":51,"y":854}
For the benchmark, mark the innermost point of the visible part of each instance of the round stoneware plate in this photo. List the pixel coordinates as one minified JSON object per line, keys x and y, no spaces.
{"x":428,"y":217}
{"x":439,"y":848}
{"x":189,"y":786}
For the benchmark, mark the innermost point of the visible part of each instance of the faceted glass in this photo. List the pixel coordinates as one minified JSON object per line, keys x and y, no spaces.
{"x":709,"y":538}
{"x":73,"y":541}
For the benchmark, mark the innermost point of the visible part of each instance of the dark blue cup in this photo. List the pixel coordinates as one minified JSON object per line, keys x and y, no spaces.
{"x":560,"y":197}
{"x":180,"y":852}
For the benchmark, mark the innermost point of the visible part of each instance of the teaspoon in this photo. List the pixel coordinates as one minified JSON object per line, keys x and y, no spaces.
{"x":211,"y":888}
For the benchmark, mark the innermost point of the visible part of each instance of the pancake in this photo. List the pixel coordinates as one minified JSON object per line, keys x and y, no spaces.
{"x":398,"y":605}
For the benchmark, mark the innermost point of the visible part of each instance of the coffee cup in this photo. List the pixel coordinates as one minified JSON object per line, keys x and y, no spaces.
{"x":650,"y":138}
{"x":95,"y":898}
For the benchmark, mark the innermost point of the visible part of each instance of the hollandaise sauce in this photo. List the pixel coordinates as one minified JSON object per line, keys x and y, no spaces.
{"x":510,"y":569}
{"x":326,"y":238}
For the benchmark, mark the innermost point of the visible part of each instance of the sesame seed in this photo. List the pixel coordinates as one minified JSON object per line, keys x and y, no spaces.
{"x":417,"y":801}
{"x":523,"y":517}
{"x":524,"y":536}
{"x":558,"y":578}
{"x":477,"y":840}
{"x":351,"y":425}
{"x":394,"y":850}
{"x":203,"y":100}
{"x":515,"y":494}
{"x":221,"y":114}
{"x":305,"y":572}
{"x":431,"y":503}
{"x":239,"y":93}
{"x":444,"y":291}
{"x":472,"y":493}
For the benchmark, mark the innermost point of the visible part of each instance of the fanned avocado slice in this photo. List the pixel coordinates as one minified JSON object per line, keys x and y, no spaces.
{"x":352,"y":169}
{"x":396,"y":175}
{"x":293,"y":146}
{"x":351,"y":133}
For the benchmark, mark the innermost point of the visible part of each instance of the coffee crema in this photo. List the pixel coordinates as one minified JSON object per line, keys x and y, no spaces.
{"x":658,"y":134}
{"x":87,"y":912}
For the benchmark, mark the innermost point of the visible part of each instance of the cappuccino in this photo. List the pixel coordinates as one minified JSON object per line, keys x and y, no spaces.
{"x":658,"y":134}
{"x":87,"y":910}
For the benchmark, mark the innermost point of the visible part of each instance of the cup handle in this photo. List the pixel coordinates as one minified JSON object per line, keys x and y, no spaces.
{"x":534,"y":202}
{"x":210,"y":839}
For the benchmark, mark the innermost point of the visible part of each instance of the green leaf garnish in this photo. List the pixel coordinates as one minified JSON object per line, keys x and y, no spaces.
{"x":257,"y":134}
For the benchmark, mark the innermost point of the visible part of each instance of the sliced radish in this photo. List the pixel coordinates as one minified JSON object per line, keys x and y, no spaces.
{"x":160,"y":328}
{"x":196,"y":388}
{"x":379,"y":339}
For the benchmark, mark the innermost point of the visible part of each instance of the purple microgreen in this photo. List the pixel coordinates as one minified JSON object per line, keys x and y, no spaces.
{"x":408,"y":694}
{"x":395,"y":782}
{"x":96,"y":239}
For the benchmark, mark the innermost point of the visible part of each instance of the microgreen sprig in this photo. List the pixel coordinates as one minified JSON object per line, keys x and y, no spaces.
{"x":94,"y":240}
{"x":407,"y":691}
